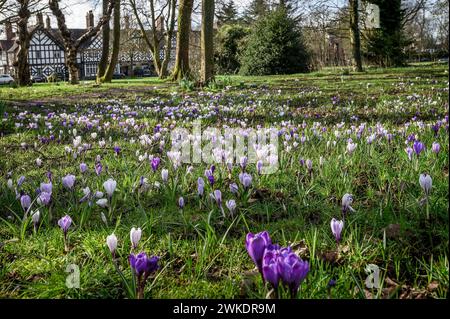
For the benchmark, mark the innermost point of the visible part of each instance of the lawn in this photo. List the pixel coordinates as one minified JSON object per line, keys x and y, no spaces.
{"x":370,"y":135}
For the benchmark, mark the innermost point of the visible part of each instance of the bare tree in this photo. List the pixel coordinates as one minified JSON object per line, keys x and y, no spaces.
{"x":72,"y":45}
{"x":109,"y":72}
{"x":207,"y":42}
{"x":106,"y":29}
{"x":355,"y":35}
{"x":156,"y":21}
{"x":181,"y":68}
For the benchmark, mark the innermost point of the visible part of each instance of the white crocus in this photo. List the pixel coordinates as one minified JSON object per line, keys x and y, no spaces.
{"x":135,"y":236}
{"x":110,"y":186}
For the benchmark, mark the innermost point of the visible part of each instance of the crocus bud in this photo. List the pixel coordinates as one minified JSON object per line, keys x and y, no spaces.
{"x":10,"y":183}
{"x":102,"y":202}
{"x":425,"y":182}
{"x":347,"y":199}
{"x":245,"y":179}
{"x":111,"y":241}
{"x":256,"y":245}
{"x":200,"y":186}
{"x":234,"y":188}
{"x":35,"y":215}
{"x":110,"y":186}
{"x":436,"y":147}
{"x":83,"y":167}
{"x":65,"y":223}
{"x":68,"y":181}
{"x":135,"y":236}
{"x":25,"y":201}
{"x":181,"y":202}
{"x":231,"y":205}
{"x":336,"y":228}
{"x":164,"y":175}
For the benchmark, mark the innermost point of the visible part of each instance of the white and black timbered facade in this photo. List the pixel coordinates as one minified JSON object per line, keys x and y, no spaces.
{"x":46,"y":54}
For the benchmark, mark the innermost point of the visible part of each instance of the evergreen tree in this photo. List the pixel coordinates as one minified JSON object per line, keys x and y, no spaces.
{"x":226,"y":12}
{"x":255,"y":10}
{"x":275,"y":46}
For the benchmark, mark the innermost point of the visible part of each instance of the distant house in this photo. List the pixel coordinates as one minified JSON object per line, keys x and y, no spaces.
{"x":46,"y":53}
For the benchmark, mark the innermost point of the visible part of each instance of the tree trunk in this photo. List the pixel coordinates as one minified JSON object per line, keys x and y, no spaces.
{"x":71,"y":61}
{"x":355,"y":37}
{"x":181,"y":68}
{"x":207,"y":42}
{"x":105,"y":45}
{"x":168,"y":47}
{"x":23,"y":66}
{"x":116,"y":45}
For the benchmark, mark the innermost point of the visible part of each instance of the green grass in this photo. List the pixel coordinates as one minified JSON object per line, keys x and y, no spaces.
{"x":202,"y":254}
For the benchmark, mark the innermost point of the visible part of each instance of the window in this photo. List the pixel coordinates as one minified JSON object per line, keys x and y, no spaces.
{"x":38,"y":54}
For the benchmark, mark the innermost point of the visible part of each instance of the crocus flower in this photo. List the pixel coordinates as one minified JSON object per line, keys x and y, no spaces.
{"x":309,"y":165}
{"x":410,"y":152}
{"x":231,"y":205}
{"x":351,"y":147}
{"x":111,"y":242}
{"x":217,"y":196}
{"x":68,"y":181}
{"x":425,"y":182}
{"x":35,"y":215}
{"x":98,"y":168}
{"x":259,"y":166}
{"x":256,"y":245}
{"x":336,"y":228}
{"x":243,"y":162}
{"x":155,"y":163}
{"x":65,"y":223}
{"x":135,"y":236}
{"x":46,"y":187}
{"x":20,"y":181}
{"x":181,"y":202}
{"x":436,"y":147}
{"x":110,"y":186}
{"x":209,"y":175}
{"x":102,"y":202}
{"x":44,"y":198}
{"x":245,"y":179}
{"x":234,"y":188}
{"x":347,"y":200}
{"x":292,"y":270}
{"x":200,"y":186}
{"x":83,"y":168}
{"x":270,"y":267}
{"x":418,"y":147}
{"x":164,"y":175}
{"x":141,"y":264}
{"x":25,"y":201}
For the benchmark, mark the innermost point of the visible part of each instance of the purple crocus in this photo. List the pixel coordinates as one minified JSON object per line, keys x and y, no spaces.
{"x":418,"y":147}
{"x":46,"y":187}
{"x":270,"y":267}
{"x":20,"y":181}
{"x":65,"y":223}
{"x":336,"y":228}
{"x":292,"y":270}
{"x":259,"y":166}
{"x":25,"y":201}
{"x":44,"y":198}
{"x":209,"y":175}
{"x":98,"y":168}
{"x":143,"y":266}
{"x":217,"y":196}
{"x":117,"y":149}
{"x":83,"y":168}
{"x":68,"y":181}
{"x":155,"y":163}
{"x":200,"y":186}
{"x":234,"y":188}
{"x":181,"y":202}
{"x":436,"y":147}
{"x":245,"y":179}
{"x":256,"y":245}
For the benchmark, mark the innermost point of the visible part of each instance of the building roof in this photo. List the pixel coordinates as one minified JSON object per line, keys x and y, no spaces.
{"x":5,"y":45}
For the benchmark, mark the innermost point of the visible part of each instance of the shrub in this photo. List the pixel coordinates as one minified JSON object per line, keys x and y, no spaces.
{"x":275,"y":46}
{"x":229,"y":44}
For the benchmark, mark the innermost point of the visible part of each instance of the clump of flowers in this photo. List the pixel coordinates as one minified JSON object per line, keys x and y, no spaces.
{"x":276,"y":264}
{"x":142,"y":267}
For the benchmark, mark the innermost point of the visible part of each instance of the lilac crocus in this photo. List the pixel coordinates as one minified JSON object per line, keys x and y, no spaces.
{"x":44,"y":198}
{"x":259,"y":166}
{"x":436,"y":147}
{"x":234,"y":188}
{"x":418,"y":147}
{"x":200,"y":186}
{"x":155,"y":163}
{"x":20,"y":181}
{"x":65,"y":223}
{"x":181,"y":202}
{"x":270,"y":267}
{"x":217,"y":196}
{"x":142,"y":265}
{"x":231,"y":205}
{"x":336,"y":228}
{"x":293,"y":271}
{"x":25,"y":201}
{"x":164,"y":175}
{"x":256,"y":244}
{"x":83,"y":167}
{"x":110,"y":186}
{"x":68,"y":181}
{"x":98,"y":168}
{"x":426,"y":183}
{"x":46,"y":187}
{"x":347,"y":200}
{"x":209,"y":175}
{"x":245,"y":179}
{"x":409,"y":151}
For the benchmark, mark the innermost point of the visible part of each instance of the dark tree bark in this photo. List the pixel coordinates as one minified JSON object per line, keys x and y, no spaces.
{"x":105,"y":45}
{"x":22,"y":64}
{"x":207,"y":42}
{"x":169,"y":35}
{"x":181,"y":68}
{"x":72,"y":45}
{"x":116,"y":45}
{"x":355,"y":36}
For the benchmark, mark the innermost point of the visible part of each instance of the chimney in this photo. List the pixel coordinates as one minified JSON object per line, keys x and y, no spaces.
{"x":90,"y":19}
{"x":9,"y":30}
{"x":127,"y":22}
{"x":48,"y":23}
{"x":39,"y":19}
{"x":160,"y":24}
